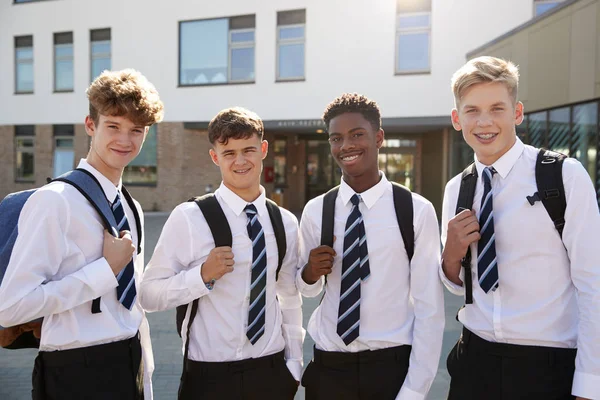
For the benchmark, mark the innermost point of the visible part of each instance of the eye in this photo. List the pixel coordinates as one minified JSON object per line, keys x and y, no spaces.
{"x":357,"y":135}
{"x":498,"y":109}
{"x":471,"y":111}
{"x":334,"y":139}
{"x":113,"y":127}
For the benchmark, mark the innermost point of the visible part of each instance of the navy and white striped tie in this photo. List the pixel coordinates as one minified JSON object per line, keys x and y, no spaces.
{"x":126,"y":291}
{"x":258,"y":285}
{"x":487,"y":263}
{"x":355,"y":268}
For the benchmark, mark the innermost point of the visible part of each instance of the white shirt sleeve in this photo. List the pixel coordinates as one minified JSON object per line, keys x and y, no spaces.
{"x":427,"y":296}
{"x":32,"y":286}
{"x":172,"y":277}
{"x":308,"y":241}
{"x":580,"y":236}
{"x":448,"y":207}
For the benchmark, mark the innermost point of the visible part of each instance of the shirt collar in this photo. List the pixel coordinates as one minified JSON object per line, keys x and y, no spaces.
{"x":369,"y":196}
{"x":504,"y":164}
{"x":237,"y":204}
{"x":110,"y":190}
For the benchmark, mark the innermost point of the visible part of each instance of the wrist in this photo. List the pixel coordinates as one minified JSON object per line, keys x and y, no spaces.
{"x":452,"y":271}
{"x":307,"y":277}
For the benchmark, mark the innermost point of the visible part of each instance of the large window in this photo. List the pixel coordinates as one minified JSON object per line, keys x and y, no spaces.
{"x":413,"y":36}
{"x":24,"y":64}
{"x":541,"y":6}
{"x":25,"y":153}
{"x":100,"y":58}
{"x":279,"y":161}
{"x":291,"y":36}
{"x":63,"y":62}
{"x":64,"y":152}
{"x":216,"y":51}
{"x":142,"y":170}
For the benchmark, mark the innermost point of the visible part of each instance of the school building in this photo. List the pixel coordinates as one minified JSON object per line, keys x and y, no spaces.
{"x":285,"y":60}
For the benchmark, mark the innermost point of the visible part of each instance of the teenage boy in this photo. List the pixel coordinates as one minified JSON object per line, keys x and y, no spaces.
{"x":531,"y":331}
{"x":245,"y":341}
{"x":64,"y":259}
{"x":378,"y":330}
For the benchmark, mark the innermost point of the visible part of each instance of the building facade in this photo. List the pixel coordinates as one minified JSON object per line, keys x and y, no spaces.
{"x":284,"y":59}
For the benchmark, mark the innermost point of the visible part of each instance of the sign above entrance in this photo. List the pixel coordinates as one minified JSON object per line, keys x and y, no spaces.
{"x":310,"y":125}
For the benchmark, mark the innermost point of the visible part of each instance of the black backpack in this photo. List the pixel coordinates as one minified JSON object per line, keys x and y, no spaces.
{"x":550,"y":191}
{"x":219,"y":227}
{"x":404,"y":215}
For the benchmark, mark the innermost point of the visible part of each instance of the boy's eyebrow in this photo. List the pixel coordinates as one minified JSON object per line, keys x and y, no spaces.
{"x":350,"y":131}
{"x":111,"y":122}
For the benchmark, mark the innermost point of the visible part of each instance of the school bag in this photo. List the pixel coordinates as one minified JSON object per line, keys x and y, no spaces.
{"x":22,"y":335}
{"x":550,"y":191}
{"x":221,"y":232}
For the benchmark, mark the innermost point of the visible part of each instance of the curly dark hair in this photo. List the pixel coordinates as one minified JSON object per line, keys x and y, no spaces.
{"x":234,"y":123}
{"x":353,"y":103}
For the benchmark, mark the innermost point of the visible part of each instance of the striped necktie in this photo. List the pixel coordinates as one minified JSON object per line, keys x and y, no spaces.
{"x":355,"y":268}
{"x":258,"y":285}
{"x":126,"y":292}
{"x":487,"y":264}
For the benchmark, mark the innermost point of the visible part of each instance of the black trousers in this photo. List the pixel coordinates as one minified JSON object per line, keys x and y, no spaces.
{"x":366,"y":375}
{"x":497,"y":371}
{"x":111,"y":371}
{"x":264,"y":378}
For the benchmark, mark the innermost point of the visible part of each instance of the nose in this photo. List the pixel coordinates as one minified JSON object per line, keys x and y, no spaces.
{"x":484,"y":120}
{"x":239,"y":159}
{"x":347,"y":143}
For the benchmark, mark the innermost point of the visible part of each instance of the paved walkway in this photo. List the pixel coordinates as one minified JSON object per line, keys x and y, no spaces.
{"x":15,"y":366}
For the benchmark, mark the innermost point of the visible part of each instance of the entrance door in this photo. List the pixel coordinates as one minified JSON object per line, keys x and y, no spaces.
{"x":322,"y":173}
{"x":397,"y":161}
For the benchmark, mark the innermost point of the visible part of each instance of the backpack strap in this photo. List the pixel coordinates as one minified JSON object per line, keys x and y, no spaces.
{"x":328,"y":218}
{"x":279,"y":230}
{"x":136,"y":215}
{"x":466,"y":194}
{"x":550,"y":186}
{"x":221,"y":232}
{"x":90,"y":188}
{"x":404,"y":215}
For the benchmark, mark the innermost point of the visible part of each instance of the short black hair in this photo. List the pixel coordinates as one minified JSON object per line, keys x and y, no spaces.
{"x":353,"y":103}
{"x":234,"y":123}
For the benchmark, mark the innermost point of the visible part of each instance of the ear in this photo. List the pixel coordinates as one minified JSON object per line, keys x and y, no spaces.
{"x":264,"y":147}
{"x":90,"y":126}
{"x":214,"y":157}
{"x":519,"y":116}
{"x":380,"y":137}
{"x":455,"y":120}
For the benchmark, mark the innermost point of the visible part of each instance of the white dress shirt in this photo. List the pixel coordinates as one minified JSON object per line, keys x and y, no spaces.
{"x":400,"y":304}
{"x":57,"y":269}
{"x":547,"y":296}
{"x":173,"y":277}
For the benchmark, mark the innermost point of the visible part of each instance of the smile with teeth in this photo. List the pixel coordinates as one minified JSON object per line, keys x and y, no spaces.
{"x":485,"y":136}
{"x":350,"y":158}
{"x":241,"y":171}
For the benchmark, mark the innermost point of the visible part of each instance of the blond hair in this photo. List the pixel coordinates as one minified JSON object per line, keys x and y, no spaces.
{"x":485,"y":69}
{"x":125,"y":93}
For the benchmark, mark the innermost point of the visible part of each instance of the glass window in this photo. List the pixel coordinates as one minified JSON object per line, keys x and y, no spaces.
{"x":559,"y":130}
{"x":279,"y":167}
{"x":537,"y":129}
{"x":24,"y":64}
{"x":585,"y":138}
{"x":291,"y":38}
{"x":216,"y":51}
{"x":413,"y":37}
{"x":541,"y":6}
{"x":100,"y":54}
{"x":64,"y":152}
{"x":63,"y":62}
{"x":25,"y":153}
{"x":143,"y":169}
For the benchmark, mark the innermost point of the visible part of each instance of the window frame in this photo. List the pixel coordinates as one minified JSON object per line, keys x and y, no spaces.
{"x":280,"y":42}
{"x":23,"y":61}
{"x":100,"y":55}
{"x":23,"y":150}
{"x":231,"y":45}
{"x":56,"y":59}
{"x":411,"y":31}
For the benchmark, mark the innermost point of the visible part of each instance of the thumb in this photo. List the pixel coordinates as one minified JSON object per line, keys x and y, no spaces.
{"x":125,"y":234}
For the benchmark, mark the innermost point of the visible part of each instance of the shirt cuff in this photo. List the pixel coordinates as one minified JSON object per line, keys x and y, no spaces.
{"x":193,"y":280}
{"x":407,"y":394}
{"x":100,"y":276}
{"x":451,"y":286}
{"x":295,"y":367}
{"x":306,"y":289}
{"x":586,"y":385}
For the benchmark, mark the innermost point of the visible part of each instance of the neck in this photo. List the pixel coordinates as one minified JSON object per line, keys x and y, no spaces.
{"x":112,"y":174}
{"x":247,"y":194}
{"x":364,"y":182}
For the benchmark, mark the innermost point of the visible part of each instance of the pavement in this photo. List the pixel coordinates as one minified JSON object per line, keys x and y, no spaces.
{"x":16,"y":365}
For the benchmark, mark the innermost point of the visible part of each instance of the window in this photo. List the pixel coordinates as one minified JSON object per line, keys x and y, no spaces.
{"x":413,"y":36}
{"x":64,"y":153}
{"x":537,"y":129}
{"x":541,"y":6}
{"x":559,"y":130}
{"x":24,"y":159}
{"x":63,"y":62}
{"x":26,"y":1}
{"x":24,"y":64}
{"x":142,"y":170}
{"x":279,"y":167}
{"x":291,"y":28}
{"x":99,"y":52}
{"x":216,"y":51}
{"x":584,"y":146}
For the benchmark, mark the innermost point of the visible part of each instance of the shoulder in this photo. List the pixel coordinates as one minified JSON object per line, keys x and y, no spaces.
{"x":289,"y":219}
{"x":313,"y":208}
